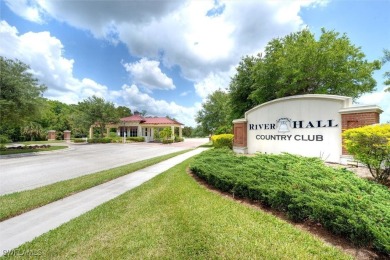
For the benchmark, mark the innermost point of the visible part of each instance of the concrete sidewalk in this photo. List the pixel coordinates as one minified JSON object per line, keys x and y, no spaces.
{"x":23,"y":228}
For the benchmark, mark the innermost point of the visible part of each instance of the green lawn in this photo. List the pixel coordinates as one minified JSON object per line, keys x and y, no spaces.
{"x":20,"y":202}
{"x":19,"y":151}
{"x":209,"y":144}
{"x":173,"y":217}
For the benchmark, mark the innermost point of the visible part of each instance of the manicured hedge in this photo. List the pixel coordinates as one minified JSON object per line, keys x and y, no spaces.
{"x":167,"y":141}
{"x":99,"y":140}
{"x":305,"y":189}
{"x":79,"y":140}
{"x":223,"y":140}
{"x":136,"y":139}
{"x":179,"y":139}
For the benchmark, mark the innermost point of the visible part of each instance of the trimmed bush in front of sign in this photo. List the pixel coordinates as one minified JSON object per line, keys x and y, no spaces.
{"x":305,"y":189}
{"x":223,"y":140}
{"x":371,"y":146}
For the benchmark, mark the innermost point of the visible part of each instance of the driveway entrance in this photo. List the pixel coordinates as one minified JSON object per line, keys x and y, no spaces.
{"x":32,"y":171}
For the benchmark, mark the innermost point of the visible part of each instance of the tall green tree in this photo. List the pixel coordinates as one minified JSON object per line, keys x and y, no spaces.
{"x":96,"y":111}
{"x":198,"y":132}
{"x":215,"y":113}
{"x":300,"y":64}
{"x":79,"y":123}
{"x":385,"y":59}
{"x":187,"y":131}
{"x":20,"y":94}
{"x":123,"y":111}
{"x":241,"y":87}
{"x":55,"y":115}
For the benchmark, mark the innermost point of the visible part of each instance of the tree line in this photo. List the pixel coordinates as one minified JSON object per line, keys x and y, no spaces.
{"x":296,"y":64}
{"x":292,"y":65}
{"x":26,"y":115}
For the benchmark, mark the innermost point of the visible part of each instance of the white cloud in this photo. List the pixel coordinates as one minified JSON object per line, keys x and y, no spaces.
{"x":380,"y":98}
{"x":100,"y":16}
{"x":177,"y":33}
{"x":185,"y":93}
{"x":213,"y":82}
{"x":43,"y":53}
{"x":137,"y":100}
{"x":200,"y":44}
{"x":29,"y":10}
{"x":180,"y":32}
{"x":148,"y":74}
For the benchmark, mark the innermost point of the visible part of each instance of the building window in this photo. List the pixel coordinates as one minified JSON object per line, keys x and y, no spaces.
{"x":133,"y":131}
{"x":146,"y":131}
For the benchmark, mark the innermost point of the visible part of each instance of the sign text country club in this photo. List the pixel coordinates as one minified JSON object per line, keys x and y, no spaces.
{"x":296,"y":125}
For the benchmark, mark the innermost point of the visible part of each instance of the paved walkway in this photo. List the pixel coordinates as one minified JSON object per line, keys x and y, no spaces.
{"x":23,"y":228}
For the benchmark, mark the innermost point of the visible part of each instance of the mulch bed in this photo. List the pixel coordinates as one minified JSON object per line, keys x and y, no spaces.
{"x":24,"y":147}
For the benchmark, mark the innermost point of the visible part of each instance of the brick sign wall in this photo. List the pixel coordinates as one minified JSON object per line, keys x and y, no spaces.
{"x":308,"y":125}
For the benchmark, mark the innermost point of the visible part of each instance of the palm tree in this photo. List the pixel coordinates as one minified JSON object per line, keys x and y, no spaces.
{"x":32,"y":130}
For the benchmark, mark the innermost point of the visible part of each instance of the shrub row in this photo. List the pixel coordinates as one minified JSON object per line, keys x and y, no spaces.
{"x":136,"y":139}
{"x":26,"y":147}
{"x":179,"y":139}
{"x":223,"y":140}
{"x":305,"y":189}
{"x":79,"y":140}
{"x":99,"y":140}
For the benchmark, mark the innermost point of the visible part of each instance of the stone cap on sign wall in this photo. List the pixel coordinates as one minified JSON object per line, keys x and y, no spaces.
{"x":361,"y":109}
{"x":346,"y":100}
{"x":241,"y":120}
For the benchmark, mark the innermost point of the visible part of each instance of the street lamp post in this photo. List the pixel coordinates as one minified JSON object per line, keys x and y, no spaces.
{"x":124,"y":137}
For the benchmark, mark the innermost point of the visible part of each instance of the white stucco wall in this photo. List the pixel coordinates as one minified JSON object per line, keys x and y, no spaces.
{"x":314,"y":128}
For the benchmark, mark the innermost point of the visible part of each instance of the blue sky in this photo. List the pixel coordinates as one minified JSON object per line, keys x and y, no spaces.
{"x":166,"y":57}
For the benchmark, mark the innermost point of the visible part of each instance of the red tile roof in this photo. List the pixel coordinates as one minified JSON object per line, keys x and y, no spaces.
{"x":150,"y":120}
{"x":133,"y":118}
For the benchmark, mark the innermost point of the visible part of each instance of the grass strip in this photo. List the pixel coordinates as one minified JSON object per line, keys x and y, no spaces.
{"x":19,"y":151}
{"x":209,"y":144}
{"x":173,"y":217}
{"x":19,"y":202}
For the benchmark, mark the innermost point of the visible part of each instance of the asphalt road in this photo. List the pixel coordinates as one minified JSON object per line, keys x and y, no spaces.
{"x":31,"y":171}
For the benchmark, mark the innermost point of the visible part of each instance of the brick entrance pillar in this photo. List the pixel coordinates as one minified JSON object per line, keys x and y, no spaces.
{"x":240,"y":136}
{"x":355,"y":117}
{"x":51,"y":135}
{"x":67,"y":135}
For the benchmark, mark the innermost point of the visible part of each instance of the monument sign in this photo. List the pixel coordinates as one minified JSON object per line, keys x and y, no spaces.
{"x":308,"y":125}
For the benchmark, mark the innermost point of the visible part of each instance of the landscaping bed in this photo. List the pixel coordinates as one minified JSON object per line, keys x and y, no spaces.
{"x":306,"y":190}
{"x":23,"y":147}
{"x":17,"y":149}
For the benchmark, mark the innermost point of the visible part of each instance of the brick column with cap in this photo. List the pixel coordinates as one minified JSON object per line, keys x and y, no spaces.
{"x":51,"y":135}
{"x":67,"y":135}
{"x":240,"y":136}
